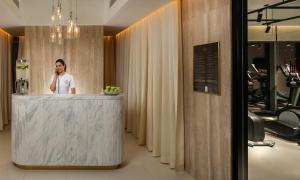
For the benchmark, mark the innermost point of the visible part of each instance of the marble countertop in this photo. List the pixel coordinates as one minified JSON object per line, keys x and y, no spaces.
{"x":67,"y":130}
{"x":68,"y":96}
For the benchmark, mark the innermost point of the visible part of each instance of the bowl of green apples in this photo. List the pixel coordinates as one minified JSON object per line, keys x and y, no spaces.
{"x":112,"y":90}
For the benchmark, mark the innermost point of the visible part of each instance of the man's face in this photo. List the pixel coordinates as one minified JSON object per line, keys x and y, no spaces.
{"x":59,"y":67}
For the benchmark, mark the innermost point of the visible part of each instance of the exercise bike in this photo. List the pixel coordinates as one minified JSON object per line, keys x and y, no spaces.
{"x":287,"y":124}
{"x":256,"y":132}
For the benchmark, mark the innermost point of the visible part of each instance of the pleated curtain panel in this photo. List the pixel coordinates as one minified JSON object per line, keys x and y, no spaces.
{"x":149,"y":70}
{"x":5,"y":78}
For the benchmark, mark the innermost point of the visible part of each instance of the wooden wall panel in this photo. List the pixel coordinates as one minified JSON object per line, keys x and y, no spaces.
{"x":207,"y":117}
{"x":83,"y":56}
{"x":109,"y":61}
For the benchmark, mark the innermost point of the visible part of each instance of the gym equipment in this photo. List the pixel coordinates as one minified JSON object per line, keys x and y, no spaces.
{"x":256,"y":85}
{"x":257,"y":88}
{"x":256,"y":132}
{"x":288,"y":118}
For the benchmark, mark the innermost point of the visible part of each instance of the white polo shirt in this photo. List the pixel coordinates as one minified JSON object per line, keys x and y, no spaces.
{"x":64,"y":83}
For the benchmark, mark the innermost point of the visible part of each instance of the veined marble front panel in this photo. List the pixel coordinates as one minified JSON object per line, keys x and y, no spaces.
{"x":67,"y":130}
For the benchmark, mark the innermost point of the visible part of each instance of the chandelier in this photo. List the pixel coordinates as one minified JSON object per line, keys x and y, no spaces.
{"x":56,"y":29}
{"x":56,"y":22}
{"x":73,"y":30}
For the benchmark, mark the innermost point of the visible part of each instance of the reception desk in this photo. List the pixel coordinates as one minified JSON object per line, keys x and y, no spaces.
{"x":67,"y":131}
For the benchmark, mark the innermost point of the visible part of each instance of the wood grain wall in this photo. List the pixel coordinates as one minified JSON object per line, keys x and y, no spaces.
{"x":83,"y":56}
{"x":109,"y":61}
{"x":207,"y":117}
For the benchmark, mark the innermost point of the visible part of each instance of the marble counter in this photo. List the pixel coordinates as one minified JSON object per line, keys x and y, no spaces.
{"x":67,"y":130}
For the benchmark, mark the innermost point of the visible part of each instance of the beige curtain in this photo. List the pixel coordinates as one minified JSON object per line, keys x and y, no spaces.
{"x":122,"y":66}
{"x":149,"y":69}
{"x":109,"y":61}
{"x":136,"y":105}
{"x":5,"y":78}
{"x":83,"y":56}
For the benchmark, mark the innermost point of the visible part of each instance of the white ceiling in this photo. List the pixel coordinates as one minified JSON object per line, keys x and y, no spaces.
{"x":10,"y":15}
{"x":277,"y":13}
{"x":38,"y":12}
{"x":132,"y":11}
{"x":90,"y":12}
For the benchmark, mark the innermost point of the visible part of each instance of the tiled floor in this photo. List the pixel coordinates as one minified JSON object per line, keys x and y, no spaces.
{"x":282,"y":162}
{"x":139,"y":165}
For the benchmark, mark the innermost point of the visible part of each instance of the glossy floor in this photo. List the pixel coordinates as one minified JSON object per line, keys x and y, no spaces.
{"x":139,"y":164}
{"x":282,"y":162}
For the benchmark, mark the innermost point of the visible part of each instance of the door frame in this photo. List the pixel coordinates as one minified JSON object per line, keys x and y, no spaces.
{"x":239,"y":89}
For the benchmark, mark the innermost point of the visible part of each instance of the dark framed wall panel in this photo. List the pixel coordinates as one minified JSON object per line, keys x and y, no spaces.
{"x":239,"y":89}
{"x":206,"y":68}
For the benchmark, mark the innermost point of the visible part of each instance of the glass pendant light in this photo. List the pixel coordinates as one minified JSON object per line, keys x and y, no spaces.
{"x":76,"y":27}
{"x":56,"y":29}
{"x":52,"y":28}
{"x":56,"y":23}
{"x":70,"y":26}
{"x":73,"y":30}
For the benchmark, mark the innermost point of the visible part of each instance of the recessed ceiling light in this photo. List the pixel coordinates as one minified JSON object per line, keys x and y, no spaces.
{"x":268,"y":29}
{"x":259,"y":16}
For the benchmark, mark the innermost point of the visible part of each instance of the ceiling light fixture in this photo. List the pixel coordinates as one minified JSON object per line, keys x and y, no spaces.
{"x":268,"y":25}
{"x":73,"y":30}
{"x":56,"y":22}
{"x":56,"y":28}
{"x":259,"y":16}
{"x":268,"y":29}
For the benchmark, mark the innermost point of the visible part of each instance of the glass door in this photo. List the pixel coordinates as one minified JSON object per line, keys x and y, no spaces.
{"x":273,"y":89}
